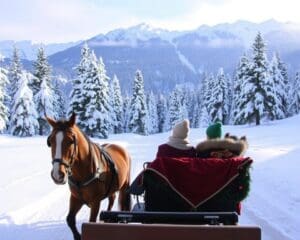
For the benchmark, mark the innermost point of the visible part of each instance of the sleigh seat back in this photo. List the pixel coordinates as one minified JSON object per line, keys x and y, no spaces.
{"x":194,"y":184}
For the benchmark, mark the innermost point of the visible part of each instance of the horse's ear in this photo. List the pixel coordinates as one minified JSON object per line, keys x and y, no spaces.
{"x":243,"y":138}
{"x":51,"y":121}
{"x":72,"y":120}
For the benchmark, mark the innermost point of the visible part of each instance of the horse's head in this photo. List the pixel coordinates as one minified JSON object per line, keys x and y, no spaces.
{"x":63,"y":144}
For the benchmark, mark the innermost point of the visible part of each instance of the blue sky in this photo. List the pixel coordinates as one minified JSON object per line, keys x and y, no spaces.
{"x":71,"y":20}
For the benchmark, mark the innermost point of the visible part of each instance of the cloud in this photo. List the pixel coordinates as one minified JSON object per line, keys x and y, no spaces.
{"x":72,"y":20}
{"x":251,"y":10}
{"x":58,"y":20}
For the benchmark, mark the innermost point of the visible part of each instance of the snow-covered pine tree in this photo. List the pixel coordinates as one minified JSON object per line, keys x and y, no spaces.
{"x":177,"y":111}
{"x":243,"y":73}
{"x":218,"y":102}
{"x":152,"y":114}
{"x":60,"y":102}
{"x":195,"y":122}
{"x":188,"y":102}
{"x":96,"y":121}
{"x":45,"y":104}
{"x":117,"y":102}
{"x":264,"y":96}
{"x":258,"y":91}
{"x":14,"y":75}
{"x":112,"y":115}
{"x":204,"y":95}
{"x":42,"y":75}
{"x":229,"y":99}
{"x":206,"y":101}
{"x":82,"y":69}
{"x":280,"y":104}
{"x":295,"y":90}
{"x":126,"y":112}
{"x":104,"y":107}
{"x":205,"y":119}
{"x":185,"y":97}
{"x":23,"y":121}
{"x":3,"y":97}
{"x":194,"y":107}
{"x":287,"y":84}
{"x":138,"y":106}
{"x":42,"y":71}
{"x":162,"y":113}
{"x":89,"y":99}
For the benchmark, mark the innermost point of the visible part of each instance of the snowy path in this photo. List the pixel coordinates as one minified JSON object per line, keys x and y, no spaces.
{"x":269,"y":232}
{"x":34,"y":208}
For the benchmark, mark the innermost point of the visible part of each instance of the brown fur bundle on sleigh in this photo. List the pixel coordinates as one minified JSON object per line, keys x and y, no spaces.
{"x":230,"y":146}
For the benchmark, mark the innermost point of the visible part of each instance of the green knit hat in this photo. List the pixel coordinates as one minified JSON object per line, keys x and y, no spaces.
{"x":214,"y":130}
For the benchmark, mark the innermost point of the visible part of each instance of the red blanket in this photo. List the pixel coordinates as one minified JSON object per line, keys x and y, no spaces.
{"x":197,"y":179}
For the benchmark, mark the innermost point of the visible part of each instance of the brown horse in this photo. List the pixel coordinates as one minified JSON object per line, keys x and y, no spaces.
{"x":93,"y":172}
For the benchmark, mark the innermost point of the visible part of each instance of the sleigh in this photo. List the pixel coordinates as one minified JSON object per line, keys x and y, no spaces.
{"x":186,"y":198}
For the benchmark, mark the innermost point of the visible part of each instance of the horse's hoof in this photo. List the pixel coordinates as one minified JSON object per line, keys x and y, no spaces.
{"x":77,"y":237}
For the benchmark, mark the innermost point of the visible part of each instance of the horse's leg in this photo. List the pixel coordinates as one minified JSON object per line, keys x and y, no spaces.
{"x":124,"y":198}
{"x":95,"y":206}
{"x":75,"y":206}
{"x":111,"y":200}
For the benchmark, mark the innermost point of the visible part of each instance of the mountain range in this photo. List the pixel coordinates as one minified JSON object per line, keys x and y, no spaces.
{"x":167,"y":57}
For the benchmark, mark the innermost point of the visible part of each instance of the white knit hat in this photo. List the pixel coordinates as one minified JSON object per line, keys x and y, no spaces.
{"x":179,"y":138}
{"x":181,"y":129}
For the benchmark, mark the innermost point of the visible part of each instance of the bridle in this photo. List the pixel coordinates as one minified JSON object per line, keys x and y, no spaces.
{"x":68,"y":165}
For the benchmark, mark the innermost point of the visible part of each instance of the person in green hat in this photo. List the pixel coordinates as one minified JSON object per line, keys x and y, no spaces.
{"x":214,"y":131}
{"x":221,"y":147}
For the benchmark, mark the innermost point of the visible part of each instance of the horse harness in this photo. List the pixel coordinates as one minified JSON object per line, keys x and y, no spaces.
{"x":97,"y":174}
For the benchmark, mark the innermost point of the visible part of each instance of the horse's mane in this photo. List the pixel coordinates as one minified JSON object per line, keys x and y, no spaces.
{"x":62,"y":125}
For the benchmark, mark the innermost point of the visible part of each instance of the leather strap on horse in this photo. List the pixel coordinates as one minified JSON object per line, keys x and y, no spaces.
{"x":111,"y":166}
{"x":96,"y":175}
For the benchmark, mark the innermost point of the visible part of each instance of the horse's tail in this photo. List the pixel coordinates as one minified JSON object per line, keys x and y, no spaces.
{"x":125,"y":199}
{"x":124,"y":194}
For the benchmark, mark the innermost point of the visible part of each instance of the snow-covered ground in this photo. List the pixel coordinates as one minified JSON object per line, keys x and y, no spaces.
{"x":32,"y":207}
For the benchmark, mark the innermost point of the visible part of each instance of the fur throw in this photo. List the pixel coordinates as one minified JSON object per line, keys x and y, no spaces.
{"x":230,"y":146}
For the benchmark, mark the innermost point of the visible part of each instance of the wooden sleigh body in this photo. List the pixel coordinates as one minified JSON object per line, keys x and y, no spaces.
{"x":117,"y":231}
{"x":117,"y":225}
{"x":166,"y":215}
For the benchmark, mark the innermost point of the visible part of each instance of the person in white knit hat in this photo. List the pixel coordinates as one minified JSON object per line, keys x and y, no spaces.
{"x":178,"y":144}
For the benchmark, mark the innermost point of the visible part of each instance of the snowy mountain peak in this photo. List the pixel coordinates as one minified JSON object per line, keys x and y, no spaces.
{"x":245,"y":31}
{"x":141,"y":32}
{"x":239,"y":33}
{"x":130,"y":36}
{"x":143,"y":27}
